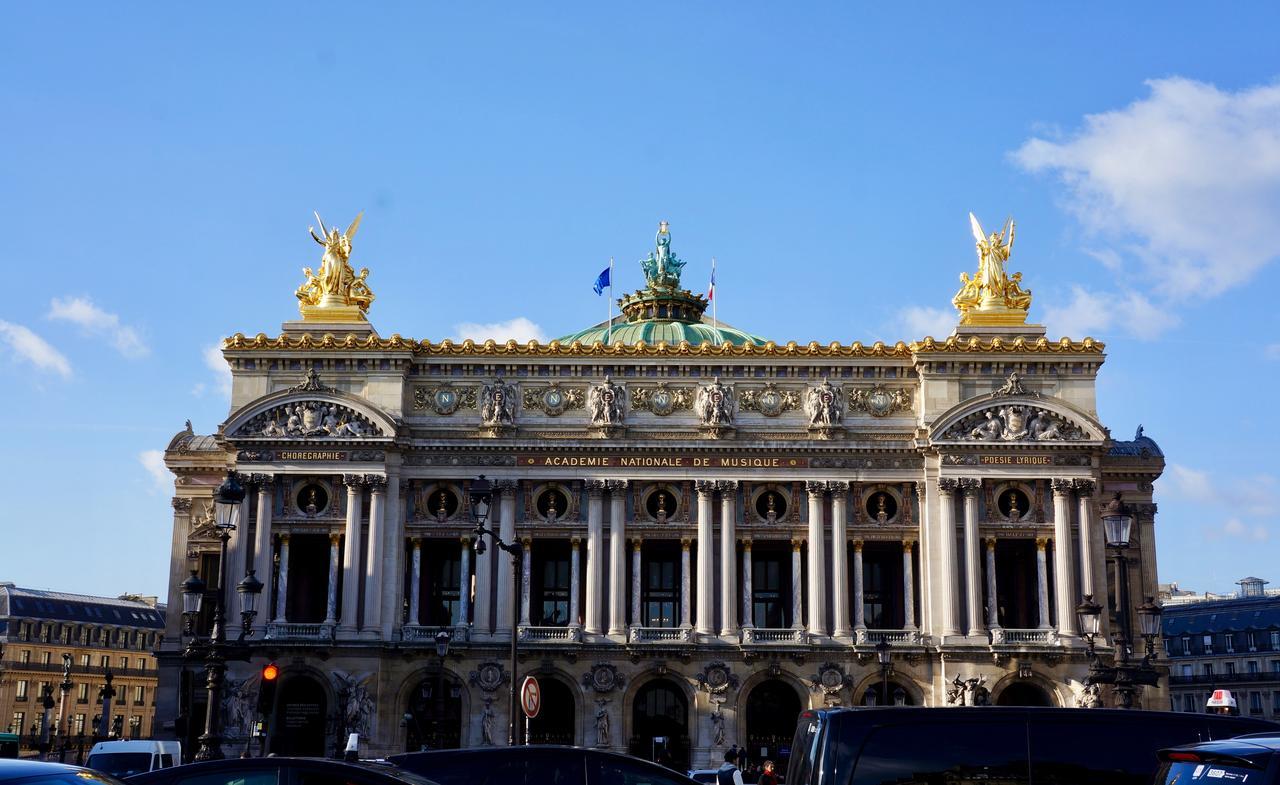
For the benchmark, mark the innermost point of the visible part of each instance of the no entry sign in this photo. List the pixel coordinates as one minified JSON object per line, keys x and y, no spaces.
{"x":530,"y":697}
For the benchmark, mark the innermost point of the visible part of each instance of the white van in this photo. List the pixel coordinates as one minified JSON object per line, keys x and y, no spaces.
{"x":125,"y":758}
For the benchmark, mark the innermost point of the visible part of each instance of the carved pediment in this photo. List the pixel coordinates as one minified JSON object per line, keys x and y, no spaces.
{"x":313,"y":419}
{"x":1015,"y":422}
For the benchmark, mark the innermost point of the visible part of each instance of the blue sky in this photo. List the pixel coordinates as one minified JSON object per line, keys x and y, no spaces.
{"x":160,"y":165}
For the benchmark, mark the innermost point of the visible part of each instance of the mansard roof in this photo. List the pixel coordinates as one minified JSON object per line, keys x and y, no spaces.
{"x":42,"y":605}
{"x":1245,"y":613}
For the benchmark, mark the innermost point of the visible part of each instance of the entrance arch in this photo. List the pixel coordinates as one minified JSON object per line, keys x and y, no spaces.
{"x":660,"y":710}
{"x":772,"y":710}
{"x":302,"y":708}
{"x":434,"y":720}
{"x":555,"y":721}
{"x":1023,"y":693}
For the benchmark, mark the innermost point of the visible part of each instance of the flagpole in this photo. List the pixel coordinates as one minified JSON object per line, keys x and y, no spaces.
{"x":609,"y":324}
{"x":715,"y":323}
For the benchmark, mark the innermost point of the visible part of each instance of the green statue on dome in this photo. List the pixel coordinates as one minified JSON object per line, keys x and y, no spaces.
{"x":662,"y":267}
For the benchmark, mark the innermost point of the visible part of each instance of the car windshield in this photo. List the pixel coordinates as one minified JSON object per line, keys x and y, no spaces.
{"x":398,"y":772}
{"x":1187,"y":773}
{"x":71,"y":778}
{"x":120,"y":764}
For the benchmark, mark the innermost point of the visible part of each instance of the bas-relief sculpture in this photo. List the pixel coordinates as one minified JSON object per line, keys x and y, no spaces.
{"x":1014,"y":422}
{"x":968,"y":692}
{"x":715,"y":404}
{"x":498,"y":403}
{"x":602,"y":722}
{"x":310,"y":420}
{"x":824,"y":405}
{"x":605,"y":403}
{"x":356,"y":703}
{"x":662,"y":399}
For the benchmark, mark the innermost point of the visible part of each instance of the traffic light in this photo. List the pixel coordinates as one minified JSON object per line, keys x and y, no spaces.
{"x":267,"y":687}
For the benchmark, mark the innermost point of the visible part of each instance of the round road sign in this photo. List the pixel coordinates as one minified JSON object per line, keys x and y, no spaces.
{"x":530,"y":697}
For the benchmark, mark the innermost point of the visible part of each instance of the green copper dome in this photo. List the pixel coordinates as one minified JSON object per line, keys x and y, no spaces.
{"x":662,"y":312}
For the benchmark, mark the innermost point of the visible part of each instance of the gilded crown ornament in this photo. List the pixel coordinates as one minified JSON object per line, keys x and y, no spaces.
{"x":335,"y":293}
{"x":992,"y":297}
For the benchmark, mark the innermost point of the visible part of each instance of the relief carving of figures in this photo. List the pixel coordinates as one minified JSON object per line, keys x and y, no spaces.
{"x":486,"y":722}
{"x":1087,"y":696}
{"x":715,"y":404}
{"x":716,"y":678}
{"x":605,"y":402}
{"x":310,"y":420}
{"x":662,"y":399}
{"x":445,"y":399}
{"x":238,"y":702}
{"x":968,"y":692}
{"x":880,"y":401}
{"x":498,"y":403}
{"x":1013,"y":386}
{"x":769,"y":401}
{"x":553,"y":399}
{"x":1014,"y":422}
{"x":603,"y":677}
{"x":602,"y":722}
{"x":357,"y":704}
{"x":824,"y":405}
{"x":830,"y":680}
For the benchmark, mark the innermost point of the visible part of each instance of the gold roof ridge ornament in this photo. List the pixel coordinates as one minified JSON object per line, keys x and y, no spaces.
{"x":335,"y":293}
{"x":992,"y":297}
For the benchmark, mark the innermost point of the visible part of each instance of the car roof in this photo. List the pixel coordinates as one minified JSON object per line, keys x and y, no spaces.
{"x":163,"y":775}
{"x":1256,"y":748}
{"x":25,"y":767}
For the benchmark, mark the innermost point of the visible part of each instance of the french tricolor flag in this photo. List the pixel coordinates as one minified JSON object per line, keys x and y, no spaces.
{"x":711,"y":290}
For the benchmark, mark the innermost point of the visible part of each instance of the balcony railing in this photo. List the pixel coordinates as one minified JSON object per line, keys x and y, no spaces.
{"x":56,"y":667}
{"x":570,"y":634}
{"x":418,"y":633}
{"x":894,"y":637}
{"x":1010,"y":637}
{"x":1213,"y":678}
{"x":643,"y":635}
{"x":290,"y":631}
{"x":764,"y":636}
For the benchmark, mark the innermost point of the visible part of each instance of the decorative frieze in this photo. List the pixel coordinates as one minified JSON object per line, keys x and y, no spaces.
{"x":880,"y":401}
{"x":554,"y":400}
{"x":1012,"y":423}
{"x":662,"y":399}
{"x":444,"y":399}
{"x":309,"y":420}
{"x":770,"y":400}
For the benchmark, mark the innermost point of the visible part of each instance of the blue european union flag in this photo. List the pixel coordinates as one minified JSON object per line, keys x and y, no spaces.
{"x":602,"y":281}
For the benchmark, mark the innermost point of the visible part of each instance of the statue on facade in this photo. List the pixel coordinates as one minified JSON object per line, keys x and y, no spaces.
{"x":992,"y":296}
{"x":662,"y":267}
{"x":498,"y":403}
{"x":714,"y":404}
{"x":605,"y":403}
{"x":355,"y":702}
{"x":335,"y":288}
{"x":602,"y":722}
{"x":1087,"y":696}
{"x":824,"y":405}
{"x":486,"y":722}
{"x":717,"y":725}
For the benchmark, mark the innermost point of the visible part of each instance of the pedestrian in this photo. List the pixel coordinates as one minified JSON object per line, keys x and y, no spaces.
{"x":742,"y":757}
{"x":767,"y":775}
{"x":729,"y":773}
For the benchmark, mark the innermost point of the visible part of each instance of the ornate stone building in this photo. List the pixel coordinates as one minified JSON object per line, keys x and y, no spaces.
{"x":718,"y":529}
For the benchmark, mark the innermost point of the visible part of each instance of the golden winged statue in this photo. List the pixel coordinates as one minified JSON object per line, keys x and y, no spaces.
{"x":992,"y":296}
{"x":335,"y":292}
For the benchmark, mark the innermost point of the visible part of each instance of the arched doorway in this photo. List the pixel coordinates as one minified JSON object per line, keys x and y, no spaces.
{"x":1022,"y":693}
{"x":298,"y":727}
{"x":433,"y":718}
{"x":660,"y":724}
{"x":555,"y":721}
{"x":899,"y":695}
{"x":772,"y":709}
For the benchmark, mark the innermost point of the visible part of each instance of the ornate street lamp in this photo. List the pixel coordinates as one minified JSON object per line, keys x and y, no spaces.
{"x":481,"y":500}
{"x":884,"y":653}
{"x":442,"y":650}
{"x":215,"y":651}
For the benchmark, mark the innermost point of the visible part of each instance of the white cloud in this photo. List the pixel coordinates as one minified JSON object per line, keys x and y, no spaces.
{"x":1238,"y":529}
{"x":92,"y":319}
{"x":153,"y":462}
{"x":34,"y":349}
{"x":1182,"y":185}
{"x":215,"y":362}
{"x":518,"y":329}
{"x":1272,"y":352}
{"x":1095,"y":313}
{"x":918,"y":321}
{"x":1191,"y":484}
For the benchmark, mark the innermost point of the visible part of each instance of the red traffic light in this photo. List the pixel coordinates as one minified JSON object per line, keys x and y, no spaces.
{"x":270,"y":672}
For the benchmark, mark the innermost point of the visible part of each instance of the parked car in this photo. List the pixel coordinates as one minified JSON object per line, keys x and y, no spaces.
{"x":126,"y":758}
{"x":280,"y":771}
{"x":1045,"y":746}
{"x":34,"y":772}
{"x":537,"y":765}
{"x":1252,"y":759}
{"x":705,"y":776}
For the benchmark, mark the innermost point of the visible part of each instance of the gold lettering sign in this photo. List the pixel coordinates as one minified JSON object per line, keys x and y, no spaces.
{"x":310,"y":455}
{"x":1016,"y":460}
{"x":666,"y":461}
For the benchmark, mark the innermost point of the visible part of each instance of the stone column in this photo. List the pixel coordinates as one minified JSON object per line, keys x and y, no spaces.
{"x":1063,"y":566}
{"x":594,"y":622}
{"x":351,"y":556}
{"x":415,"y":583}
{"x":617,"y":557}
{"x":1084,"y":500}
{"x":705,"y":617}
{"x":282,"y":583}
{"x":331,"y":589}
{"x":993,"y":598}
{"x":262,"y":544}
{"x":526,"y":567}
{"x":482,"y":611}
{"x":1042,"y":582}
{"x":797,"y":585}
{"x":728,"y":558}
{"x":859,"y":597}
{"x":375,"y":555}
{"x":392,"y":556}
{"x":839,"y":559}
{"x":464,"y":589}
{"x":685,"y":582}
{"x":748,"y":612}
{"x":972,"y":556}
{"x":637,"y":619}
{"x":237,"y":546}
{"x":575,"y":584}
{"x":947,"y":549}
{"x":505,"y":490}
{"x":817,"y":619}
{"x":908,"y":587}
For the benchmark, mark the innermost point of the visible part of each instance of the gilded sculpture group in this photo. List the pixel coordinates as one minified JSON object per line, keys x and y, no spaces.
{"x":992,"y":290}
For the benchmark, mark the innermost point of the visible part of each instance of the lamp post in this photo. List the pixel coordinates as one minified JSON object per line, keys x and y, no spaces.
{"x":65,"y":688}
{"x":884,"y":654}
{"x":216,"y":650}
{"x":1125,"y":675}
{"x":442,"y":649}
{"x":481,"y":499}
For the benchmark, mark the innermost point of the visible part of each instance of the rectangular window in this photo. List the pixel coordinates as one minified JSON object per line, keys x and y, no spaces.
{"x":78,"y":725}
{"x":1253,"y":641}
{"x":135,"y":727}
{"x":1275,"y":702}
{"x":84,"y":660}
{"x":139,"y":695}
{"x":1255,"y":703}
{"x":1229,"y":641}
{"x":104,"y":662}
{"x":1231,"y":668}
{"x":1251,"y":666}
{"x":1208,"y":669}
{"x":46,"y":657}
{"x":25,"y":657}
{"x":19,"y":719}
{"x":549,"y":605}
{"x":660,"y":587}
{"x":40,"y":686}
{"x":1208,"y":644}
{"x":1275,"y":640}
{"x":20,"y":690}
{"x":82,"y":693}
{"x":1189,"y":703}
{"x":124,"y":663}
{"x":1275,"y":666}
{"x":770,"y":590}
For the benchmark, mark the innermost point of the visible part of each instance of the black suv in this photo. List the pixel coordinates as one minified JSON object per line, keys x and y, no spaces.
{"x":1253,"y":759}
{"x":536,"y":765}
{"x":1005,"y":745}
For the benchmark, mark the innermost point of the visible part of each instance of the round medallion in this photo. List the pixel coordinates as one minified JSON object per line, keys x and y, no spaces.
{"x":831,"y":679}
{"x":554,"y":401}
{"x":770,"y":402}
{"x":312,"y":499}
{"x":446,"y":400}
{"x":879,"y":402}
{"x":662,"y":403}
